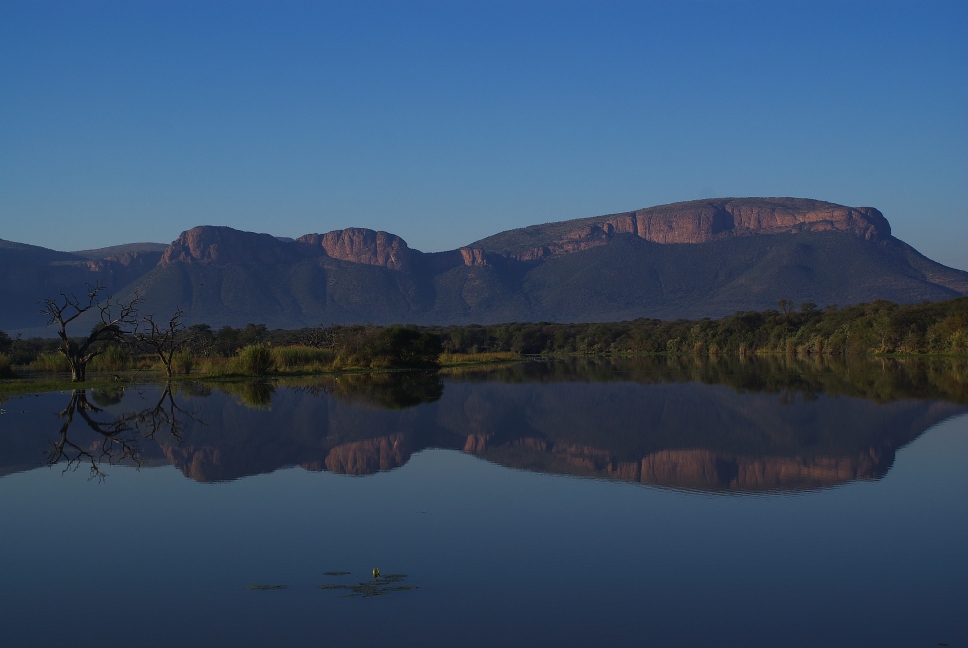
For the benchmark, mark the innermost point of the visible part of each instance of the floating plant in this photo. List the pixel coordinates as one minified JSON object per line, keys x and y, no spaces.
{"x":265,"y":587}
{"x":336,"y":573}
{"x":380,"y":586}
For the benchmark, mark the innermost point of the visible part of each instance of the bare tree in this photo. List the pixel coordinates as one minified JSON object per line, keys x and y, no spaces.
{"x":164,"y":340}
{"x":114,"y":317}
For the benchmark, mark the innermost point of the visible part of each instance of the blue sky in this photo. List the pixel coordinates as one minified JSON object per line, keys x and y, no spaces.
{"x":447,"y":122}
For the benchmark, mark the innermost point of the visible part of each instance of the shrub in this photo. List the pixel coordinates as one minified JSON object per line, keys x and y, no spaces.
{"x":255,"y":359}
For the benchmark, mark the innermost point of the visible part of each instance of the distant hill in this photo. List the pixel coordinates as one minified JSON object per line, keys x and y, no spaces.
{"x":694,"y":259}
{"x":29,"y":273}
{"x":118,"y":250}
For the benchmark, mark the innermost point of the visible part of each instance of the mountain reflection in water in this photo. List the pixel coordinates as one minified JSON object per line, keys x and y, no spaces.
{"x":718,"y":426}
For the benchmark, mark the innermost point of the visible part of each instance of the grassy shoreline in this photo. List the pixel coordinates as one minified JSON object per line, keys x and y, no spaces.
{"x":32,"y":381}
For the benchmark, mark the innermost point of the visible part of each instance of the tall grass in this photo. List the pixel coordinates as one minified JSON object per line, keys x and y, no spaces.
{"x":113,"y":359}
{"x":183,"y":362}
{"x":50,"y":362}
{"x":255,"y":360}
{"x":297,"y":357}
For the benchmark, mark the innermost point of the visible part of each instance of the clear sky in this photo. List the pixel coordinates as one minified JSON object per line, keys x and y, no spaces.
{"x":446,"y":122}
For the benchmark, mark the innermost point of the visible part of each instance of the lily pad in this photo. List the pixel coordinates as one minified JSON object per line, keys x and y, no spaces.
{"x":336,"y":573}
{"x":265,"y":587}
{"x":376,"y":587}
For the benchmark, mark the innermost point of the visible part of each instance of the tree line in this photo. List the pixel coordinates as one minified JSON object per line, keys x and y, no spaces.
{"x":879,"y":327}
{"x":123,"y":333}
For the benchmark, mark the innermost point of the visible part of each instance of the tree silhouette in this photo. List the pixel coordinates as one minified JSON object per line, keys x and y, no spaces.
{"x":164,"y":340}
{"x":114,"y":318}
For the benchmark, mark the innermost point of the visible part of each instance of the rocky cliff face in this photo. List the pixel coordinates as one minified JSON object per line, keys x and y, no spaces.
{"x":690,"y":222}
{"x":222,"y":245}
{"x":359,"y":245}
{"x":708,"y":220}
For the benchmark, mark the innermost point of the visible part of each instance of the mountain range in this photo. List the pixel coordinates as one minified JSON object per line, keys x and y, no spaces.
{"x":704,"y":258}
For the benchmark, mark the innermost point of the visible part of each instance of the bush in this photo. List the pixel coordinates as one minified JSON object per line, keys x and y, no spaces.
{"x":256,"y":360}
{"x":405,"y":346}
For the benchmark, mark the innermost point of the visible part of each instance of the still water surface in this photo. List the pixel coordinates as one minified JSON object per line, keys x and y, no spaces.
{"x":566,"y":504}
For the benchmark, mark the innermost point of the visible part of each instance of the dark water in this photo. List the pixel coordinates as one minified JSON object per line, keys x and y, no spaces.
{"x":561,"y":504}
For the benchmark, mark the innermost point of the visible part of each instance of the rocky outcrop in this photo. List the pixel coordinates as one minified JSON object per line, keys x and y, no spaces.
{"x":126,"y":267}
{"x":707,"y":220}
{"x":690,"y":222}
{"x":224,"y":245}
{"x":360,"y":245}
{"x":473,"y":256}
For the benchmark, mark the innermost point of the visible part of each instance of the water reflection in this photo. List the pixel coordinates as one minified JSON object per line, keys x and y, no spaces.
{"x":113,"y":437}
{"x":728,"y":426}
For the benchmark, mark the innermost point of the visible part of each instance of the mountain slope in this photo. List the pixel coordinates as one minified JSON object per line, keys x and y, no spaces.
{"x":695,"y":259}
{"x":117,"y":250}
{"x":29,"y":273}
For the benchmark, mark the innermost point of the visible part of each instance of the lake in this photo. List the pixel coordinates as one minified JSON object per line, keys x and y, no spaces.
{"x":564,"y":502}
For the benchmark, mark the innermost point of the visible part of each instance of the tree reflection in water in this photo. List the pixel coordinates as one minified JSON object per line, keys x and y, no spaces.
{"x":117,"y":437}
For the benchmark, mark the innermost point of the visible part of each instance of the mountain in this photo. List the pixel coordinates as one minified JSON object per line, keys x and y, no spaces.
{"x":693,"y":259}
{"x":29,"y":273}
{"x":118,"y":250}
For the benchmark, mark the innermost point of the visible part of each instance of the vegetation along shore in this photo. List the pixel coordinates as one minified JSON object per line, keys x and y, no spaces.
{"x":877,"y":328}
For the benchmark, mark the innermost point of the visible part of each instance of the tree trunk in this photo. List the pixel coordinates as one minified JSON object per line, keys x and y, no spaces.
{"x":78,"y":369}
